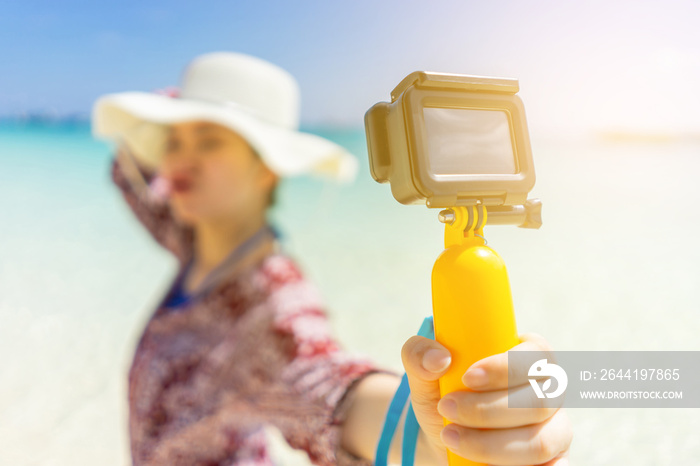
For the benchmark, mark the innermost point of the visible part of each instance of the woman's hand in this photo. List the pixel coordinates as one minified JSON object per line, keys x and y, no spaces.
{"x":514,"y":437}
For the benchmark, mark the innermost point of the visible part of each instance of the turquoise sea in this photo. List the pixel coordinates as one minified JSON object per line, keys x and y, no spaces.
{"x":616,"y":266}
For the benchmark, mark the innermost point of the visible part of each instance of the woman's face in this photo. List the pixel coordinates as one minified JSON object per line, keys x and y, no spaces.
{"x":213,"y":173}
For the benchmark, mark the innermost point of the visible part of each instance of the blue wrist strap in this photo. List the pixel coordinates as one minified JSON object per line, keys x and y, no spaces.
{"x":411,"y":427}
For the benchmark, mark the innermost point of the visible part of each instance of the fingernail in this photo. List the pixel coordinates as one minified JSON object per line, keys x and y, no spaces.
{"x":436,"y":360}
{"x":475,"y":378}
{"x":450,"y":437}
{"x":448,"y":408}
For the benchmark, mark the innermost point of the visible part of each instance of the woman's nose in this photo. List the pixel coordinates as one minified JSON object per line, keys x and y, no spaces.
{"x":180,"y":160}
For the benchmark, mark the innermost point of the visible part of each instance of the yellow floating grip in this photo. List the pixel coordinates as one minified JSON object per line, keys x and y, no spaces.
{"x":472,"y":304}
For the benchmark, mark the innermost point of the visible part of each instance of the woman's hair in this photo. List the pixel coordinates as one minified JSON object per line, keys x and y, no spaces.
{"x":272,"y":198}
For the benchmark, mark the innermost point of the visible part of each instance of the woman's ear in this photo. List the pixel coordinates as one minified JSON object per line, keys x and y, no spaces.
{"x":268,"y":177}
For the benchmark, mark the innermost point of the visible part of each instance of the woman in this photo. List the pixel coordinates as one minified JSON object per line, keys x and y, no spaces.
{"x":241,"y":341}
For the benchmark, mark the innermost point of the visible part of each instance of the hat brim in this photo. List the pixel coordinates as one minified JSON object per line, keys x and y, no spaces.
{"x":140,"y":119}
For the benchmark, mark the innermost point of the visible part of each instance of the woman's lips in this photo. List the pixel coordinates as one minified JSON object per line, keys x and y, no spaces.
{"x":181,"y":185}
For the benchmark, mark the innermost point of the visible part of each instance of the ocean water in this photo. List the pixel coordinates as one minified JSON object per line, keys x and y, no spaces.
{"x":616,"y":266}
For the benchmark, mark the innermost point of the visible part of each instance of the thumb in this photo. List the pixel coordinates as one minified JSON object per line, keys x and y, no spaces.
{"x":425,"y":360}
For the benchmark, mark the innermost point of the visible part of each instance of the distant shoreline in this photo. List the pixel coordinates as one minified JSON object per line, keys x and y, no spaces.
{"x":42,"y":121}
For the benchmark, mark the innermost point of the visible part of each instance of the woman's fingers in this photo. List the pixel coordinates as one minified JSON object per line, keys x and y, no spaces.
{"x":533,"y":444}
{"x":493,"y":373}
{"x":490,"y":409}
{"x":538,"y":434}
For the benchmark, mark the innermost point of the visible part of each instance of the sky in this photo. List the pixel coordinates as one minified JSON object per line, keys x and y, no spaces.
{"x":582,"y":66}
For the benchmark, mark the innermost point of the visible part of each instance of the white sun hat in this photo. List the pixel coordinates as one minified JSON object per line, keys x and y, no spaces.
{"x":258,"y":100}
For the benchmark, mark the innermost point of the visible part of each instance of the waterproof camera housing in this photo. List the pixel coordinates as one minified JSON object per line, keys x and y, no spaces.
{"x":452,"y":140}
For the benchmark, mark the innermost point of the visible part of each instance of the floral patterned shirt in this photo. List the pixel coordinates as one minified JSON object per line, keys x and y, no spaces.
{"x":257,"y":350}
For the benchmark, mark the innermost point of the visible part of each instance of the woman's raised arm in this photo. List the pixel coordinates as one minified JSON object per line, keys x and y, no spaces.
{"x":143,"y":192}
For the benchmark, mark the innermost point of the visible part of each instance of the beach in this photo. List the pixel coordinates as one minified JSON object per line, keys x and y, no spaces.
{"x":615,"y":266}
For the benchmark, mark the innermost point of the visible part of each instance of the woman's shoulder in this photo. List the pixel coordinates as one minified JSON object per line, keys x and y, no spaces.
{"x":287,"y":287}
{"x":279,"y":269}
